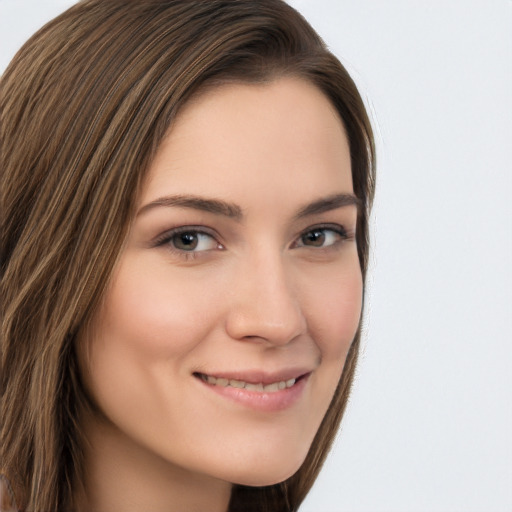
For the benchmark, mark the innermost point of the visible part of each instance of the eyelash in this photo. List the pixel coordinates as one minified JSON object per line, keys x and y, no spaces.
{"x":334,"y":228}
{"x":166,"y":239}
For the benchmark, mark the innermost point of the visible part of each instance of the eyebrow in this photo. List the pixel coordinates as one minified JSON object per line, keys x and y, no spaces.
{"x":233,"y":211}
{"x":216,"y":206}
{"x":329,"y":203}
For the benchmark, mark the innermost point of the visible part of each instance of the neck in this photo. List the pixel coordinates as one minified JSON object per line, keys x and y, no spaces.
{"x":123,"y":475}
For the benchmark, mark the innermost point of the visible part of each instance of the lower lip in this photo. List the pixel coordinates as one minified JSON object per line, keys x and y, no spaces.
{"x":261,"y":401}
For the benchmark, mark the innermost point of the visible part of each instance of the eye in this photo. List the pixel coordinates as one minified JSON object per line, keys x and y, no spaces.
{"x":189,"y":240}
{"x":322,"y":237}
{"x":193,"y":241}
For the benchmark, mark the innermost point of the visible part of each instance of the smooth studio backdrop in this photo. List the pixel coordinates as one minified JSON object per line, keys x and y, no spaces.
{"x":429,"y":425}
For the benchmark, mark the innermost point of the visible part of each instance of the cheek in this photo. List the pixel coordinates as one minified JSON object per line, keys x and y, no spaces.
{"x":145,"y":329}
{"x":155,"y":316}
{"x":151,"y":328}
{"x":334,"y":314}
{"x":335,"y":311}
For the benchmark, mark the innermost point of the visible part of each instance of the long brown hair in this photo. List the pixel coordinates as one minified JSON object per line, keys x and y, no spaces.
{"x":84,"y":105}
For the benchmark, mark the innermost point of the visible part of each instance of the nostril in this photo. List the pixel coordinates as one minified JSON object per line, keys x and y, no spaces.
{"x":253,"y":324}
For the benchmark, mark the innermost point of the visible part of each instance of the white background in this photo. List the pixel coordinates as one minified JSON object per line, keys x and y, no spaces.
{"x":429,"y":426}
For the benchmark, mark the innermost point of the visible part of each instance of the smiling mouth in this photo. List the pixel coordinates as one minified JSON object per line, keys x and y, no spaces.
{"x":272,"y":387}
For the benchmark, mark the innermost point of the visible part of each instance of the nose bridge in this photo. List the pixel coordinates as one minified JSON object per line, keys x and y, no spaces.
{"x":265,"y":303}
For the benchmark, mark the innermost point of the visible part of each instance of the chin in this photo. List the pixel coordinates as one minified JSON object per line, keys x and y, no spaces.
{"x":270,"y":478}
{"x":266,"y":472}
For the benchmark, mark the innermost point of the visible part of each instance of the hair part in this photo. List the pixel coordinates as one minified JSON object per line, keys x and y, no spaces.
{"x":85,"y":104}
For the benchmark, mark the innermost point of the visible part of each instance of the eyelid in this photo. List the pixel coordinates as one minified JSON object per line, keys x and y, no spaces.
{"x":164,"y":238}
{"x":340,"y":229}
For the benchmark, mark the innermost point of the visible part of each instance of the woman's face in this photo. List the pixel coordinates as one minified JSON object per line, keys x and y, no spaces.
{"x":226,"y":325}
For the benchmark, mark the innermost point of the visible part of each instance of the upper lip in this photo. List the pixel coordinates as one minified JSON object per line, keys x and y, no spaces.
{"x":259,"y":376}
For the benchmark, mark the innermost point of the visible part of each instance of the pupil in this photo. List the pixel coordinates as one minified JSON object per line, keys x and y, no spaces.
{"x":186,"y":241}
{"x":316,"y":238}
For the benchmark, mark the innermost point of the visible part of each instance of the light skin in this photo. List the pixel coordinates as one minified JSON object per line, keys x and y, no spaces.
{"x":242,"y":258}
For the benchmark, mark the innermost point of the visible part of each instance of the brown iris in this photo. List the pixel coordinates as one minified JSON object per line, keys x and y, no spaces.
{"x":315,"y":238}
{"x":185,"y":241}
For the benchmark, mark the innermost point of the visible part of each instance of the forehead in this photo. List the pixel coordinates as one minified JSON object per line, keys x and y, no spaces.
{"x":238,"y":139}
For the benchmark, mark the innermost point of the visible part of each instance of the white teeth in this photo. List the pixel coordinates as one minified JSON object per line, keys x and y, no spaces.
{"x":240,"y":384}
{"x":254,"y":387}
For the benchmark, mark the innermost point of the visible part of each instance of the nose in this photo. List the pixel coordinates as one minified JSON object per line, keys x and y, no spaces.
{"x":265,"y":304}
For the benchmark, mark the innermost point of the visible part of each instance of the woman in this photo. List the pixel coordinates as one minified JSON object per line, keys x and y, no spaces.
{"x":185,"y":238}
